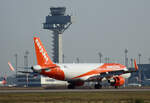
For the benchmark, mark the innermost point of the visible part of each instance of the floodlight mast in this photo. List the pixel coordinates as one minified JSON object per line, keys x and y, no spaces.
{"x":57,"y":22}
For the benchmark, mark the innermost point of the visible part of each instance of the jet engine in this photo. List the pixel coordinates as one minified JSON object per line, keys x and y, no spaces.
{"x":117,"y":81}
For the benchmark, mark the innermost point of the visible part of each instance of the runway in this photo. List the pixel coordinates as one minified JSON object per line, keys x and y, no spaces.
{"x":73,"y":90}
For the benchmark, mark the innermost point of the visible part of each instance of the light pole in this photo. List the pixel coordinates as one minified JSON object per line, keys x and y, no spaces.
{"x":16,"y":66}
{"x":126,"y":57}
{"x":26,"y":65}
{"x":139,"y":69}
{"x":16,"y":59}
{"x":131,"y":62}
{"x":126,"y":63}
{"x":63,"y":58}
{"x":100,"y":57}
{"x":139,"y":58}
{"x":78,"y":60}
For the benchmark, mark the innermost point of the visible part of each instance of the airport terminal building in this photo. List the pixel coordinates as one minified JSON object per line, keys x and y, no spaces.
{"x":24,"y":80}
{"x":142,"y":76}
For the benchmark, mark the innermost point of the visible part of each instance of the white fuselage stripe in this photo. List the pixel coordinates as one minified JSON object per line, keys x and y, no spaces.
{"x":73,"y":70}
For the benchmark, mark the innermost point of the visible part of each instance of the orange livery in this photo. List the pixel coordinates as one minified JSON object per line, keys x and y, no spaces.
{"x":77,"y":74}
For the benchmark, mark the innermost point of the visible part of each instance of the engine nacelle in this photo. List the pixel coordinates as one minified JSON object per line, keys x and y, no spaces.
{"x":117,"y":81}
{"x":37,"y":68}
{"x":127,"y":75}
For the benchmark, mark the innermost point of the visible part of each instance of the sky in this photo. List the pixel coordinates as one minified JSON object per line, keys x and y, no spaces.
{"x":106,"y":26}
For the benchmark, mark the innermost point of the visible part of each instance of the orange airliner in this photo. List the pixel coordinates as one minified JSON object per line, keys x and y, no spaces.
{"x":3,"y":82}
{"x":78,"y":74}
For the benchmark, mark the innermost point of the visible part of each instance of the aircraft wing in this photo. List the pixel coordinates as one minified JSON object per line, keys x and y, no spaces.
{"x":109,"y":74}
{"x":113,"y":73}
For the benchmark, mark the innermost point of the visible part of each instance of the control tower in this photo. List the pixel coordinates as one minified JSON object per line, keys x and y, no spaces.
{"x":57,"y":22}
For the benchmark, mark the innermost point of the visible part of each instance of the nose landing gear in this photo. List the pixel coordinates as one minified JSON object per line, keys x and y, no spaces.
{"x":98,"y":86}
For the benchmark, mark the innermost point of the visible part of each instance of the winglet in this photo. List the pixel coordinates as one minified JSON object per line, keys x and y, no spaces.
{"x":11,"y":67}
{"x":135,"y":65}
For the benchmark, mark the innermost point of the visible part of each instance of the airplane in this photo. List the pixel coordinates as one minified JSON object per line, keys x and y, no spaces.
{"x":78,"y":74}
{"x":3,"y":82}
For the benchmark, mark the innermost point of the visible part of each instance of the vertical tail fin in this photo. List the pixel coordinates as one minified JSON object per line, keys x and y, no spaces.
{"x":11,"y":67}
{"x":135,"y":65}
{"x":42,"y":57}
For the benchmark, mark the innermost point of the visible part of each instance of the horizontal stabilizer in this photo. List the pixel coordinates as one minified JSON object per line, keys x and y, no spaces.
{"x":26,"y":72}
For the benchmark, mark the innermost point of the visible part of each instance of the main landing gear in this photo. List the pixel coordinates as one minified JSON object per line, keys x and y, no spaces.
{"x":71,"y":86}
{"x":98,"y":86}
{"x":116,"y":87}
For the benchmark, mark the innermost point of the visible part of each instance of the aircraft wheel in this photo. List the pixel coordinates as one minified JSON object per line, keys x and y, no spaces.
{"x":71,"y":86}
{"x":98,"y":86}
{"x":116,"y":87}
